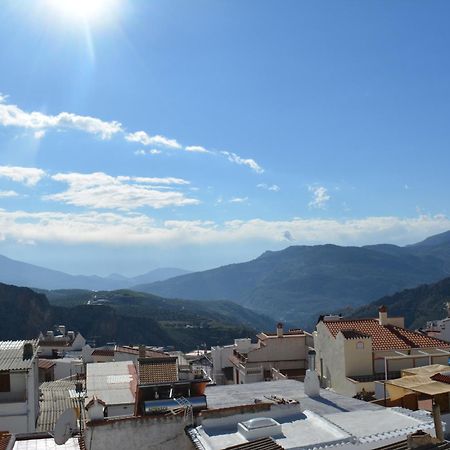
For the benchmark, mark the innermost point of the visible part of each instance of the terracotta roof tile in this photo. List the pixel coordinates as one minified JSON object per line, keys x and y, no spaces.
{"x":441,"y":377}
{"x":5,"y":437}
{"x":157,"y":371}
{"x":354,"y":334}
{"x":46,"y":363}
{"x":385,"y":337}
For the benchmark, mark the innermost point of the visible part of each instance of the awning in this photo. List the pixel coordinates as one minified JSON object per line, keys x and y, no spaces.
{"x":415,"y":383}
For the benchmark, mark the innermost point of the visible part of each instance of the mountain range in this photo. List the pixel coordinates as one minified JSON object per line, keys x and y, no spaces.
{"x":293,"y":285}
{"x":23,"y":274}
{"x":298,"y":283}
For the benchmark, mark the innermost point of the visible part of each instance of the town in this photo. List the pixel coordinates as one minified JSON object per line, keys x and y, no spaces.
{"x":366,"y":383}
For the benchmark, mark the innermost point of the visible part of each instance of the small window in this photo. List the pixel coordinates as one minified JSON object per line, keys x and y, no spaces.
{"x":5,"y":385}
{"x":360,"y":345}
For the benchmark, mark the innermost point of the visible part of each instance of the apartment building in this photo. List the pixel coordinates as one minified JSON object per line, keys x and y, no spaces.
{"x":19,"y":386}
{"x":354,"y":353}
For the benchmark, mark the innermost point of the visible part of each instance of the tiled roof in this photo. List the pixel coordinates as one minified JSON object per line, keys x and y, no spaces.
{"x":154,"y":370}
{"x":5,"y":437}
{"x":148,"y":353}
{"x":103,"y":352}
{"x":259,"y":444}
{"x":46,"y":363}
{"x":385,"y":337}
{"x":354,"y":334}
{"x":443,"y":378}
{"x":11,"y":355}
{"x":403,"y":445}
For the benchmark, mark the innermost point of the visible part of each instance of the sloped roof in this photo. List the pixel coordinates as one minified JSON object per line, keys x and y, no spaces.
{"x":154,"y":370}
{"x":354,"y":334}
{"x":11,"y":355}
{"x":46,"y":363}
{"x":5,"y":437}
{"x":385,"y":337}
{"x":259,"y":444}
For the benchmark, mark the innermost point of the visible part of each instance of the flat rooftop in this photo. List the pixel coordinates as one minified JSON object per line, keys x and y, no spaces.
{"x":113,"y":382}
{"x":245,"y":394}
{"x":328,"y":420}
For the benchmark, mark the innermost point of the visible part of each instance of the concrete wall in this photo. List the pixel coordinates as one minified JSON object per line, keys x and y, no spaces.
{"x":163,"y":432}
{"x":221,"y":359}
{"x":120,"y":410}
{"x":407,"y":363}
{"x":287,"y":348}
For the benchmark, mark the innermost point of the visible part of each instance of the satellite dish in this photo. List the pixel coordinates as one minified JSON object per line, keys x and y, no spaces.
{"x":65,"y":426}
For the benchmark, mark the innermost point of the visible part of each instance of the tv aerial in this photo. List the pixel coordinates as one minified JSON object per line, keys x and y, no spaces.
{"x":65,"y":426}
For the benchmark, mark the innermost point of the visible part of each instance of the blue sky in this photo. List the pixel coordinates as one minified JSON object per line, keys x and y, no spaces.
{"x":196,"y":133}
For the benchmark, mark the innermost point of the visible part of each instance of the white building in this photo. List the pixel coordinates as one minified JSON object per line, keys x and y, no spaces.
{"x":439,"y":328}
{"x":279,"y":415}
{"x":275,"y":355}
{"x":19,"y":386}
{"x":115,"y":384}
{"x":59,"y":342}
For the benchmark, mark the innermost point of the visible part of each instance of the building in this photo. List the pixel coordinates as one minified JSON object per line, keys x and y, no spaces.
{"x":54,"y":344}
{"x":275,"y":355}
{"x":280,"y":415}
{"x":114,"y":384}
{"x":19,"y":386}
{"x":354,"y":353}
{"x":123,"y":353}
{"x":439,"y":328}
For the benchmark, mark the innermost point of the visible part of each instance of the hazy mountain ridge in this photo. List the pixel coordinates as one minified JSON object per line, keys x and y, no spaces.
{"x":300,"y":282}
{"x":24,"y":274}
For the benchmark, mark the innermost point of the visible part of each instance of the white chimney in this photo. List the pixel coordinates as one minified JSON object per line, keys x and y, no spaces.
{"x":382,"y":315}
{"x":312,"y":383}
{"x":448,"y":309}
{"x":95,"y":409}
{"x":280,"y":330}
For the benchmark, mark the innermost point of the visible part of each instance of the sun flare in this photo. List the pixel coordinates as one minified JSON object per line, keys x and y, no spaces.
{"x":87,"y":10}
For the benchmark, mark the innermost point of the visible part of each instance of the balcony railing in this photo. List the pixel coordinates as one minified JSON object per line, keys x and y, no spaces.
{"x":375,"y":377}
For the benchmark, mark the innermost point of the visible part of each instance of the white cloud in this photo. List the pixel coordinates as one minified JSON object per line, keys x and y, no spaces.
{"x":12,"y":115}
{"x":143,"y":138}
{"x":137,"y":229}
{"x":272,"y":187}
{"x":239,"y":200}
{"x":320,"y":197}
{"x":29,"y":176}
{"x":6,"y":194}
{"x":251,"y":163}
{"x":143,"y":152}
{"x":103,"y":191}
{"x":196,"y":149}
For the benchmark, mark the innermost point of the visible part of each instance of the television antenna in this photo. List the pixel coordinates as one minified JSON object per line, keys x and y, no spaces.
{"x":65,"y":426}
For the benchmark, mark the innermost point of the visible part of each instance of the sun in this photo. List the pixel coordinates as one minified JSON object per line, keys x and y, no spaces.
{"x":85,"y":10}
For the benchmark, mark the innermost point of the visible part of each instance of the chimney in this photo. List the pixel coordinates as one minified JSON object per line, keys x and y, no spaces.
{"x":279,"y":329}
{"x":382,"y":315}
{"x":312,"y":359}
{"x":448,"y":309}
{"x":28,"y":351}
{"x":62,"y":329}
{"x":142,"y":351}
{"x":438,"y":421}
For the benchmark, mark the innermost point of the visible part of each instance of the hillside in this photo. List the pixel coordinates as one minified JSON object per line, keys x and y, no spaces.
{"x":127,"y":318}
{"x":418,"y":305}
{"x":300,"y":282}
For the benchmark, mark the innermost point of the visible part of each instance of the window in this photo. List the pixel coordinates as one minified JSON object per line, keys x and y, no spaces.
{"x":360,"y":345}
{"x":5,"y":385}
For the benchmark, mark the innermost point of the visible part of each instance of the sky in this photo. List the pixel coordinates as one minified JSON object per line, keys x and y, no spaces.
{"x":137,"y":134}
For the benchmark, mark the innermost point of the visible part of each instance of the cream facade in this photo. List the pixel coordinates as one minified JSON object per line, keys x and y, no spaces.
{"x":353,"y":354}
